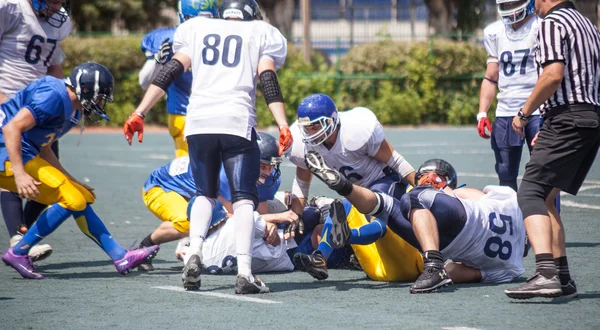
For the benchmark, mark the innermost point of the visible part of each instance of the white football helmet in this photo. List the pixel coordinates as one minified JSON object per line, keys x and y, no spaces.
{"x":514,"y":11}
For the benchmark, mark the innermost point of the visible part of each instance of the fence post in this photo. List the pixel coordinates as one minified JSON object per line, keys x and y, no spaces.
{"x":306,"y":25}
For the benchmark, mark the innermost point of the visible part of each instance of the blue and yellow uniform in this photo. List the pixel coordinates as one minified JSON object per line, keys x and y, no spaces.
{"x":169,"y":188}
{"x":178,"y":93}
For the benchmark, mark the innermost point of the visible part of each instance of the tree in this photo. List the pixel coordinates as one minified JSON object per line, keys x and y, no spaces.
{"x":589,"y":9}
{"x":280,"y":14}
{"x":462,"y":16}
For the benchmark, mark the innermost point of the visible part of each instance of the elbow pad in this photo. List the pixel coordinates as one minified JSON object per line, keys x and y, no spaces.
{"x":400,"y":165}
{"x":171,"y":71}
{"x":270,"y":87}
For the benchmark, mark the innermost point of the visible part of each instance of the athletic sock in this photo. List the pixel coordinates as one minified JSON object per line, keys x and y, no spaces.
{"x":200,"y":213}
{"x":91,"y":225}
{"x":325,"y":243}
{"x":510,"y":183}
{"x":433,"y":256}
{"x":12,"y":211}
{"x":146,"y":242}
{"x":563,"y":270}
{"x":47,"y":222}
{"x":369,"y":233}
{"x":243,"y":218}
{"x":544,"y":264}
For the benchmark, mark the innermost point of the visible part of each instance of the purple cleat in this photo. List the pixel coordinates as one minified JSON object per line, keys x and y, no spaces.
{"x":134,"y":258}
{"x":22,"y":264}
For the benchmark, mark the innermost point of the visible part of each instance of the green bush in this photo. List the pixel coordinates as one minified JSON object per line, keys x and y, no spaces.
{"x":403,"y":83}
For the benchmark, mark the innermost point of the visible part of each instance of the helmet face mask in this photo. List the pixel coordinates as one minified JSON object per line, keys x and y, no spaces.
{"x":317,"y":118}
{"x":192,"y":8}
{"x":269,"y":159}
{"x":442,"y":168}
{"x":514,"y":11}
{"x":56,"y":17}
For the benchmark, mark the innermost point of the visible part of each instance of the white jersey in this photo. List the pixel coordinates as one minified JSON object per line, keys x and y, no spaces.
{"x":515,"y":53}
{"x":493,"y":238}
{"x":225,"y":56}
{"x":28,"y":45}
{"x":219,"y":252}
{"x":359,"y":138}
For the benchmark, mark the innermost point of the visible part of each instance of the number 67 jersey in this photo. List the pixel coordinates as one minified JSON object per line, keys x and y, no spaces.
{"x":515,"y":53}
{"x":493,"y":238}
{"x":225,"y":56}
{"x":28,"y":45}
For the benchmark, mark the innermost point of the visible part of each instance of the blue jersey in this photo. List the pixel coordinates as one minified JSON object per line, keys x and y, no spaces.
{"x":177,"y":176}
{"x":49,"y":102}
{"x":178,"y":93}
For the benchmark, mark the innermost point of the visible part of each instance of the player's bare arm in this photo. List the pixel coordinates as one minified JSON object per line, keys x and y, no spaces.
{"x":387,"y":155}
{"x":13,"y":131}
{"x":489,"y":86}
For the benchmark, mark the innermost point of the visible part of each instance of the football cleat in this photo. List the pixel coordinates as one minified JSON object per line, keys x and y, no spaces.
{"x":37,"y":252}
{"x":191,"y":273}
{"x":569,"y":290}
{"x":537,"y":286}
{"x":315,"y":264}
{"x":244,"y":286}
{"x":134,"y":258}
{"x":433,"y":277}
{"x":331,"y":177}
{"x":21,"y":263}
{"x":340,"y":231}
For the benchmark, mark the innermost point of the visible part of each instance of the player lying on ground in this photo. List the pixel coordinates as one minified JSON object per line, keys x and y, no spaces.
{"x":38,"y":115}
{"x":482,"y":232}
{"x":169,"y":189}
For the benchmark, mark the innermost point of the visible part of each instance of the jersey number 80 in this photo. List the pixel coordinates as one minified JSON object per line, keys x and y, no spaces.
{"x":211,"y":52}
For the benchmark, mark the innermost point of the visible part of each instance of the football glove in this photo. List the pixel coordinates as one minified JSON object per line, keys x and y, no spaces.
{"x":165,"y":52}
{"x":135,"y":123}
{"x":482,"y":124}
{"x":285,"y":140}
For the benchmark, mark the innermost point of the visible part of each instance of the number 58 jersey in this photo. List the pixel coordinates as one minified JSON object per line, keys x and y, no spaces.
{"x":515,"y":53}
{"x":493,"y":238}
{"x":225,"y":56}
{"x":28,"y":45}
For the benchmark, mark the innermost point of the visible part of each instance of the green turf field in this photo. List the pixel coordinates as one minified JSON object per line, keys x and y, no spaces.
{"x":83,"y":290}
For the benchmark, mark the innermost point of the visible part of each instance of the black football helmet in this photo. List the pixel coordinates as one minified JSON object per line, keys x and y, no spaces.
{"x":269,"y":154}
{"x":246,"y":10}
{"x":440,"y":167}
{"x":55,"y":17}
{"x":94,"y":86}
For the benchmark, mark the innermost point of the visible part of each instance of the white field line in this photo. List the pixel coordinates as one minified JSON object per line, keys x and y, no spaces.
{"x":219,"y":295}
{"x":578,"y":205}
{"x":159,"y":156}
{"x":459,"y":328}
{"x":119,"y":164}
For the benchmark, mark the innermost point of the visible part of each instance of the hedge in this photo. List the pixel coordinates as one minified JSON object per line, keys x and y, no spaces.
{"x":403,"y":83}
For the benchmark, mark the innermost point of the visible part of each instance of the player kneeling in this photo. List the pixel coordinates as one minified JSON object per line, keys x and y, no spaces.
{"x":481,"y":232}
{"x":38,"y":115}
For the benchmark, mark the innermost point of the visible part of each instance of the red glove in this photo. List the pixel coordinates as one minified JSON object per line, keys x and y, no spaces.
{"x":285,"y":139}
{"x":482,"y":124}
{"x":135,"y":123}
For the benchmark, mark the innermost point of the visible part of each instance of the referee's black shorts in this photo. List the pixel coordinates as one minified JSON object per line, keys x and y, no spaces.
{"x":566,"y":148}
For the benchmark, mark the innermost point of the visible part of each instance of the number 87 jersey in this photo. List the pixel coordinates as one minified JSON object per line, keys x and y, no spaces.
{"x":514,"y":51}
{"x":225,"y":56}
{"x":28,"y":45}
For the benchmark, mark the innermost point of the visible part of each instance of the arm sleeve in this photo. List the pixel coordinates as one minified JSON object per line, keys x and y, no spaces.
{"x":149,"y":72}
{"x":181,"y":42}
{"x":552,"y":42}
{"x":490,"y":41}
{"x":45,"y":104}
{"x":274,"y":46}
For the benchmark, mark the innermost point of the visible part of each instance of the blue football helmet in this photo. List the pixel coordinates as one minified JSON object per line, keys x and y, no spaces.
{"x":191,"y":8}
{"x":269,"y":154}
{"x":54,"y":17}
{"x":317,"y":109}
{"x":514,"y":11}
{"x":246,"y":10}
{"x":440,"y":167}
{"x":94,"y":86}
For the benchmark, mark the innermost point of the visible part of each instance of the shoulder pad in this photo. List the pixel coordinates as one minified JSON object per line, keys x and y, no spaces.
{"x":493,"y":30}
{"x":357,"y":126}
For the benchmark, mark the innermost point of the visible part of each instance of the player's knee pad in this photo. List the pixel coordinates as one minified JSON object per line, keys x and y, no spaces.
{"x":72,"y":199}
{"x":532,"y":198}
{"x":176,"y":125}
{"x":417,"y":198}
{"x":311,"y":216}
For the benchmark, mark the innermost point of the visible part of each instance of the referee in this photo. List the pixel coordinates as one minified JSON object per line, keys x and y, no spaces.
{"x":568,"y":61}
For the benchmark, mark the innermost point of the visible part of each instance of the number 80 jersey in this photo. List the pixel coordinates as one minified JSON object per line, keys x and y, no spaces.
{"x":225,"y":56}
{"x":515,"y":53}
{"x":28,"y":45}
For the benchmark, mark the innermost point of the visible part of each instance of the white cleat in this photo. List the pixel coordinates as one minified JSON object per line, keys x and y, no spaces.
{"x":37,"y":252}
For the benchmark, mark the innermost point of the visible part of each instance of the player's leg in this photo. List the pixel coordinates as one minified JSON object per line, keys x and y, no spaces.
{"x":176,"y":125}
{"x":205,"y":163}
{"x":241,"y":160}
{"x":507,"y":148}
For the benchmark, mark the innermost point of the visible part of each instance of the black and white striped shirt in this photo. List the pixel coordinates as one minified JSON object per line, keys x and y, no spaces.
{"x":568,"y":37}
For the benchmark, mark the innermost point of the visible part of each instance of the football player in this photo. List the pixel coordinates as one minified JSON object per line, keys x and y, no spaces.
{"x":169,"y":189}
{"x":35,"y":117}
{"x":158,"y":48}
{"x":353,"y":143}
{"x":481,"y":232}
{"x":229,"y":55}
{"x":30,"y":36}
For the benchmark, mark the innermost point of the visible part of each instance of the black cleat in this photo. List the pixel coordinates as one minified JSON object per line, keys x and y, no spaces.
{"x":244,"y":286}
{"x":340,"y":231}
{"x":537,"y":286}
{"x":191,"y":273}
{"x":331,"y":177}
{"x":434,"y":276}
{"x":569,"y":290}
{"x":315,"y":264}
